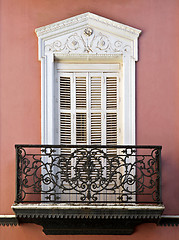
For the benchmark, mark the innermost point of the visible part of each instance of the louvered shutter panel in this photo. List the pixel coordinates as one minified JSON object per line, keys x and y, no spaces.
{"x":65,"y":92}
{"x":89,"y":108}
{"x":95,"y":92}
{"x":95,"y":81}
{"x":81,"y":92}
{"x":111,"y":92}
{"x":81,"y":107}
{"x":112,"y":114}
{"x":65,"y":111}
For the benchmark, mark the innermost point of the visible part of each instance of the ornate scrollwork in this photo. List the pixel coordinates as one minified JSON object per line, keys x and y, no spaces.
{"x":89,"y":42}
{"x":88,"y":174}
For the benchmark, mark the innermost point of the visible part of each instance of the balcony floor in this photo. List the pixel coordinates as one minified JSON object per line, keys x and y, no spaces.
{"x":108,"y":219}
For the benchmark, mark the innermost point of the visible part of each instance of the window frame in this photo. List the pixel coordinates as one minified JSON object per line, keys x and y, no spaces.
{"x":48,"y":100}
{"x":116,"y":42}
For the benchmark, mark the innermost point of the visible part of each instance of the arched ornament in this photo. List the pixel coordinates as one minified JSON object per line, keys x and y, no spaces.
{"x":87,"y":36}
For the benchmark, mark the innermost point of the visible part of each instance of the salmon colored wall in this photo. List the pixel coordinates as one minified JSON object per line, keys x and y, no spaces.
{"x":157,"y":91}
{"x":143,"y":232}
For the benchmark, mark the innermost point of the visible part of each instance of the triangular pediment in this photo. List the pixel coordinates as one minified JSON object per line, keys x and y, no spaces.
{"x":88,"y":34}
{"x":88,"y":19}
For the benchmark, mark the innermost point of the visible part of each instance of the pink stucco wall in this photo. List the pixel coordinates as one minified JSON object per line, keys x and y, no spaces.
{"x":157,"y":91}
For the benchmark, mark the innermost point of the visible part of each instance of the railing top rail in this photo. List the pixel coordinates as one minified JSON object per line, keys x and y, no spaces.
{"x":87,"y":146}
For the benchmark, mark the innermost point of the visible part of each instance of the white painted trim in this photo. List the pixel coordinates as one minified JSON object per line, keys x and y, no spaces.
{"x":90,"y":38}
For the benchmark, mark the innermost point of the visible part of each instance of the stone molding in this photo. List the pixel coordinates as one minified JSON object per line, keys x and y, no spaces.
{"x":82,"y":18}
{"x":88,"y":211}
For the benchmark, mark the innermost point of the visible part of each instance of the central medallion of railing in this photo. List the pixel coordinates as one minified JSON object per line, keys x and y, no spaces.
{"x":88,"y":174}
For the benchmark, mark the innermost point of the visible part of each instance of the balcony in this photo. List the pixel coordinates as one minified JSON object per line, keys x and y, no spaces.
{"x":72,"y":189}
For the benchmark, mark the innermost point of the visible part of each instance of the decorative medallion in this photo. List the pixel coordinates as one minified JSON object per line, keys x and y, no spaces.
{"x":88,"y":31}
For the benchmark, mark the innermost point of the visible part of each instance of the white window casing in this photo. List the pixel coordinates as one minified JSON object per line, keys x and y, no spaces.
{"x":87,"y":38}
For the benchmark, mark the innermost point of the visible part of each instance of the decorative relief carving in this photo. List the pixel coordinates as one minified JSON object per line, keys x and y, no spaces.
{"x":88,"y":42}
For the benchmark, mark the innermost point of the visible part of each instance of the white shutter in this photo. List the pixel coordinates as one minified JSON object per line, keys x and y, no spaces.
{"x":80,"y":108}
{"x":89,"y":108}
{"x":65,"y":111}
{"x":95,"y":82}
{"x":112,"y":111}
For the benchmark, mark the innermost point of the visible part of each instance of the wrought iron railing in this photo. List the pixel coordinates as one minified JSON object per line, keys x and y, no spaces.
{"x":88,"y":174}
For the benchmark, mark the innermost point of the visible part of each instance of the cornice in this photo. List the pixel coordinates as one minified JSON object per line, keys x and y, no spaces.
{"x":86,"y":17}
{"x":62,"y":219}
{"x":94,"y":211}
{"x":169,"y":220}
{"x":8,"y":220}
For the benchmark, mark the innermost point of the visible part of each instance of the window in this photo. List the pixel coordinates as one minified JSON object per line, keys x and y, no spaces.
{"x":87,"y":38}
{"x":88,"y":104}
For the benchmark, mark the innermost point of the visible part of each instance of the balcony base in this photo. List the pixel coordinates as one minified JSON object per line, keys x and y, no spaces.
{"x":59,"y":219}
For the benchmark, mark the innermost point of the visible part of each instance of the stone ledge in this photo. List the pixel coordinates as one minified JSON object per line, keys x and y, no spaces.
{"x":88,"y":211}
{"x":60,"y":219}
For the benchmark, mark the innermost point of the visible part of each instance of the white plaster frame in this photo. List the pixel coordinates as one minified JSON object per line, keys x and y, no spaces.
{"x":87,"y":37}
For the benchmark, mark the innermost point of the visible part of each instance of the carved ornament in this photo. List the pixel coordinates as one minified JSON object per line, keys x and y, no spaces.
{"x":87,"y":43}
